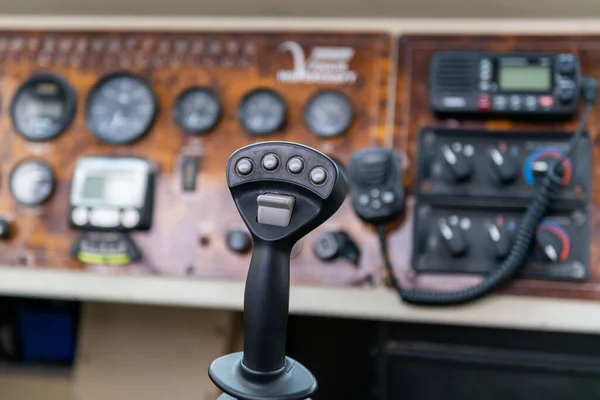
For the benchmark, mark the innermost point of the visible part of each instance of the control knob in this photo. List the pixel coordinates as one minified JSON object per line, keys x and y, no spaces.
{"x":239,"y":241}
{"x":552,"y":243}
{"x":4,"y":228}
{"x":567,"y":93}
{"x":459,"y":163}
{"x":539,"y":161}
{"x":566,"y":64}
{"x":331,"y":245}
{"x":504,"y":165}
{"x":500,"y":239}
{"x":453,"y":238}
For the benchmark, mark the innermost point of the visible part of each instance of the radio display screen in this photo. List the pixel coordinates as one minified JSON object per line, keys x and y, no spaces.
{"x":525,"y":78}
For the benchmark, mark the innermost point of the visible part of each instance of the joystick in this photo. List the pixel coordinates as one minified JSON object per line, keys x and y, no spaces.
{"x":283,"y":191}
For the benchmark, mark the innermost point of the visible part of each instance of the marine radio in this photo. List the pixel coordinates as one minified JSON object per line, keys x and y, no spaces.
{"x":507,"y":84}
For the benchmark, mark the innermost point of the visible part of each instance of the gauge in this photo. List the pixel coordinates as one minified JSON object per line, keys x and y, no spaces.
{"x":262,"y":112}
{"x":43,"y":107}
{"x":32,"y":182}
{"x":197,"y":110}
{"x":328,"y":113}
{"x":120,"y":108}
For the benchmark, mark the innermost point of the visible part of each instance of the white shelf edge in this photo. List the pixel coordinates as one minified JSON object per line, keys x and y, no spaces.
{"x":362,"y":303}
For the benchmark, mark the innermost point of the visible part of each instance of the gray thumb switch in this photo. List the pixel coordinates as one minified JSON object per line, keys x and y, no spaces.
{"x":275,"y":209}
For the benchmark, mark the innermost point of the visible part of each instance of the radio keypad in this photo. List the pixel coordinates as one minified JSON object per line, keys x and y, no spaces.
{"x":485,"y":70}
{"x":515,"y":103}
{"x":484,"y":102}
{"x":500,"y":102}
{"x":546,"y":101}
{"x":531,"y":102}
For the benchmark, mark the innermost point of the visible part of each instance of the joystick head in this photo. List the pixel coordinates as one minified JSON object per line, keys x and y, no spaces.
{"x":284,"y":190}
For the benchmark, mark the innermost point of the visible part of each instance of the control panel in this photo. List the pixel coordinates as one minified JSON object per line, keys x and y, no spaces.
{"x":485,"y":166}
{"x":473,"y":187}
{"x":472,"y":173}
{"x":114,"y":145}
{"x":522,"y":84}
{"x":476,"y":240}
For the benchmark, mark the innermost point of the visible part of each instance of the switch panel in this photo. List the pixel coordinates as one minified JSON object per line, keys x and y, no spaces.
{"x":477,"y":240}
{"x":482,"y":166}
{"x":473,"y":189}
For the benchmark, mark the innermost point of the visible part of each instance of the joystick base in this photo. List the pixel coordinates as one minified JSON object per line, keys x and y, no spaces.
{"x":295,"y":382}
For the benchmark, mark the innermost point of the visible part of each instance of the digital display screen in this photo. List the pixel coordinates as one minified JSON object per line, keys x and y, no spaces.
{"x":114,"y":189}
{"x":525,"y":78}
{"x":45,"y":109}
{"x":94,"y":188}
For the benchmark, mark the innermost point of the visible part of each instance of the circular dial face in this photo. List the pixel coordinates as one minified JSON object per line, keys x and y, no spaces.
{"x":43,"y":107}
{"x":262,"y":112}
{"x":328,"y":113}
{"x":197,"y":110}
{"x":120,"y":108}
{"x":32,"y":182}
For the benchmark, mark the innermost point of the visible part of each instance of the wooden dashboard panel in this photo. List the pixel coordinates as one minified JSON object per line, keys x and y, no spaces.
{"x":413,"y":113}
{"x":188,"y":233}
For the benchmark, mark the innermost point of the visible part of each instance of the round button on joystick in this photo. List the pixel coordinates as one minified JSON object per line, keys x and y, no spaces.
{"x":295,"y":165}
{"x":244,"y":166}
{"x":270,"y":162}
{"x":318,"y":175}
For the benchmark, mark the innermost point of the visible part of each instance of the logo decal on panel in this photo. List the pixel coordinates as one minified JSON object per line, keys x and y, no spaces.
{"x":324,"y":65}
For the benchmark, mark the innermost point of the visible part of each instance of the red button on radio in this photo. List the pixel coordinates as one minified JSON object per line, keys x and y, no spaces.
{"x":546,"y":101}
{"x":484,"y":103}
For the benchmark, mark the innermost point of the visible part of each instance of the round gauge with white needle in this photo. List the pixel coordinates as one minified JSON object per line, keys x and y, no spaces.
{"x":197,"y":110}
{"x":32,"y":182}
{"x":328,"y":113}
{"x":120,"y":108}
{"x":262,"y":111}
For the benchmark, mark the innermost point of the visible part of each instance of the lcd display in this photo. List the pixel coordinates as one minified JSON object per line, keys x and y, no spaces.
{"x":94,"y":188}
{"x":114,"y":189}
{"x":525,"y":78}
{"x":45,"y":109}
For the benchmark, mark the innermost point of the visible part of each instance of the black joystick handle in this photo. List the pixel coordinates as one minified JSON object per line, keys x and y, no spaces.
{"x":266,"y":301}
{"x":283,"y":191}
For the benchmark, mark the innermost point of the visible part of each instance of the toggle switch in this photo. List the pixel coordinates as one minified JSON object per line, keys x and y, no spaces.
{"x":275,"y":209}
